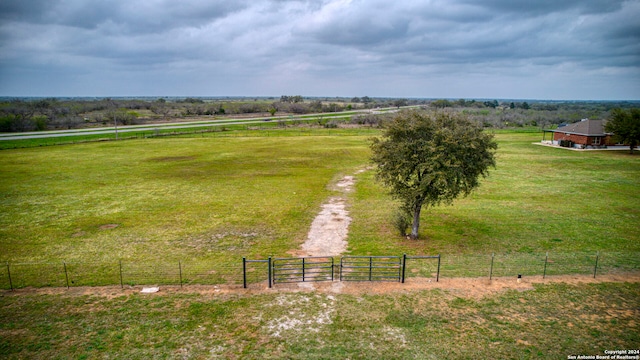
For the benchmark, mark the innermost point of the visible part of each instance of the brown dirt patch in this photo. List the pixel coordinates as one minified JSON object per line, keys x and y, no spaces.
{"x":460,"y":287}
{"x":109,"y":226}
{"x":346,"y":183}
{"x":328,"y":233}
{"x":328,"y":230}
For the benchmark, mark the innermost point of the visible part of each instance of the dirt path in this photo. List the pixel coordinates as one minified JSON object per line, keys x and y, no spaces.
{"x":329,"y":230}
{"x":459,"y":287}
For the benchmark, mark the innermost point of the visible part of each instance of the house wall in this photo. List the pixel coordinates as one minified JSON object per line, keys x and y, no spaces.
{"x":582,"y":139}
{"x":578,"y":139}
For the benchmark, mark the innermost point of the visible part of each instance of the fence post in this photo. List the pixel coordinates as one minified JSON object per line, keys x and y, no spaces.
{"x":180,"y":270}
{"x":546,"y":258}
{"x":370,"y":267}
{"x":66,"y":275}
{"x":270,"y":272}
{"x":9,"y":274}
{"x":595,"y":268}
{"x":404,"y":265}
{"x":121,"y":282}
{"x":438,"y":273}
{"x":491,"y":268}
{"x":244,"y":272}
{"x":333,"y":269}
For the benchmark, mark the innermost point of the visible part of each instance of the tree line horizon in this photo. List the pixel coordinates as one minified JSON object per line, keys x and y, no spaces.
{"x":40,"y":114}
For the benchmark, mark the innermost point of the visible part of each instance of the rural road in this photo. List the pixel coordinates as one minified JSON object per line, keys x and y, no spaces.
{"x":184,"y":125}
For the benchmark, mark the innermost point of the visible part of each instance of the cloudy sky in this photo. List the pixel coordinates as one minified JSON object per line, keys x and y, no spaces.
{"x":517,"y":49}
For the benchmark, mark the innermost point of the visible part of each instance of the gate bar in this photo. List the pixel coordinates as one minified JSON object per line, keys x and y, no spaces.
{"x":363,"y":267}
{"x":292,"y":268}
{"x":244,"y":272}
{"x":270,"y":272}
{"x":244,"y":269}
{"x":404,"y":266}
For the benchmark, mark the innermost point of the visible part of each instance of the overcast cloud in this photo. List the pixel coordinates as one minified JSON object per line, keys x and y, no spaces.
{"x":526,"y":49}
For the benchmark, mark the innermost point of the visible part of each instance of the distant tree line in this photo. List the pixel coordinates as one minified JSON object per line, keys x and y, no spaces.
{"x":19,"y":115}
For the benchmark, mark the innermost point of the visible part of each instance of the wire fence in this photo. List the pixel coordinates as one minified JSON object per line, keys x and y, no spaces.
{"x":526,"y":264}
{"x":122,"y":273}
{"x":236,"y":271}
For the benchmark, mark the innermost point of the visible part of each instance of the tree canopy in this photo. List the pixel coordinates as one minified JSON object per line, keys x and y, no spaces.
{"x":428,"y":158}
{"x":625,"y":126}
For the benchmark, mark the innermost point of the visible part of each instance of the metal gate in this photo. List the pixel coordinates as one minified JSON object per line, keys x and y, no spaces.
{"x":305,"y":269}
{"x":321,"y":268}
{"x":370,"y":268}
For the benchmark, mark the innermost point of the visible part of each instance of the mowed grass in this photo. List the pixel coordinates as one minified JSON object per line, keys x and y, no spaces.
{"x":538,"y":199}
{"x":551,"y":321}
{"x":211,"y":200}
{"x":168,"y":199}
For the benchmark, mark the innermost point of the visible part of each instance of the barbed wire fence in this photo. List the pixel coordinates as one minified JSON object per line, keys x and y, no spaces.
{"x":233,"y":272}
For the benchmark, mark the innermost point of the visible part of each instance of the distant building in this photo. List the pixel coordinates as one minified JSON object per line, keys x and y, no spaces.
{"x":583,"y":134}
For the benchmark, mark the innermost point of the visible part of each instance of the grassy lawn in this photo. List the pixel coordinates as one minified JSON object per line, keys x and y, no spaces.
{"x":169,"y":198}
{"x":550,"y":321}
{"x":205,"y":201}
{"x":538,"y":199}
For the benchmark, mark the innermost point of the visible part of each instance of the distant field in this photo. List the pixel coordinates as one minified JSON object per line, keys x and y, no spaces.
{"x":219,"y":128}
{"x":209,"y":199}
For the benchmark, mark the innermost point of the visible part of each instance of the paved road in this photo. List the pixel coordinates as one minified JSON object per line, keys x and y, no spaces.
{"x":121,"y":129}
{"x":184,"y":125}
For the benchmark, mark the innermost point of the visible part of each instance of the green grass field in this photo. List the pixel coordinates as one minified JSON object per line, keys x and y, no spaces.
{"x":551,"y":321}
{"x":538,"y":199}
{"x":207,"y":201}
{"x":170,"y":198}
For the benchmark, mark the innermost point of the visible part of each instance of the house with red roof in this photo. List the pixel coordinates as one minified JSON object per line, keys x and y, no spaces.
{"x":584,"y":134}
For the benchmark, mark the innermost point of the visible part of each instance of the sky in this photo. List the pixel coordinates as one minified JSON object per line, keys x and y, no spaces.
{"x":472,"y":49}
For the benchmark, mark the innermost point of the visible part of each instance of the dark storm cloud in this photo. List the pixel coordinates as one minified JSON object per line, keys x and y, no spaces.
{"x":29,"y":11}
{"x":325,"y":47}
{"x":480,"y":31}
{"x":137,"y":16}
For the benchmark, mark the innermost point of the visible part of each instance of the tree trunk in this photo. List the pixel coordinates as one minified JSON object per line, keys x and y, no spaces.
{"x":416,"y":222}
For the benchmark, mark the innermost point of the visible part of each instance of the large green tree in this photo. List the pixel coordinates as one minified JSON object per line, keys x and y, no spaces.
{"x":625,"y":126}
{"x":428,"y":158}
